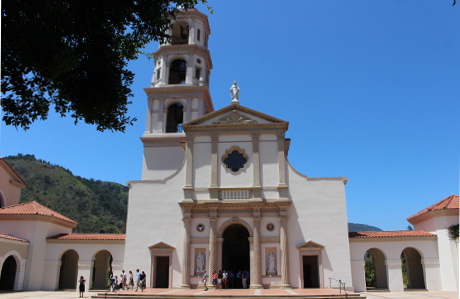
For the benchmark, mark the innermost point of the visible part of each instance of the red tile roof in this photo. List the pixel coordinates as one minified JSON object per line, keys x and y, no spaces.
{"x":390,"y":234}
{"x":448,"y":203}
{"x":89,"y":237}
{"x":10,"y":237}
{"x":33,"y":208}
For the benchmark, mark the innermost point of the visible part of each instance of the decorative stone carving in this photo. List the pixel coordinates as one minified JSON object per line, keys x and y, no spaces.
{"x":199,"y":262}
{"x":235,"y":117}
{"x":235,"y":92}
{"x":271,"y":261}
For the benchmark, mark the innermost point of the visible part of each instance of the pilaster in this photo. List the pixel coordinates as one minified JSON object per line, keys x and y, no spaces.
{"x":214,"y":164}
{"x":284,"y":249}
{"x":186,"y":251}
{"x":256,"y":277}
{"x":212,"y":241}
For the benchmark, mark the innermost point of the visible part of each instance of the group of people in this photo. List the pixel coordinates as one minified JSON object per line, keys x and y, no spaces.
{"x":224,"y":280}
{"x":122,"y":283}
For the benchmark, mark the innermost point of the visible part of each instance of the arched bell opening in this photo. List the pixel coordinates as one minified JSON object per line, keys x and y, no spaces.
{"x":235,"y":252}
{"x":175,"y":118}
{"x":412,"y":270}
{"x":68,"y":271}
{"x":177,"y":72}
{"x":180,"y":33}
{"x":8,"y":274}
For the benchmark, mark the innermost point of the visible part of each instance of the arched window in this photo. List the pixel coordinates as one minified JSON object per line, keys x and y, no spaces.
{"x":177,"y":72}
{"x":198,"y":35}
{"x":175,"y":118}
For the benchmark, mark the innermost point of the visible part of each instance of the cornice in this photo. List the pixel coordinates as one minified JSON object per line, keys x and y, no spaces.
{"x":223,"y":205}
{"x":230,"y":108}
{"x":391,"y":239}
{"x":236,"y":127}
{"x":170,"y":91}
{"x":433,"y":214}
{"x":184,"y":49}
{"x":341,"y":178}
{"x":56,"y":241}
{"x":12,"y":217}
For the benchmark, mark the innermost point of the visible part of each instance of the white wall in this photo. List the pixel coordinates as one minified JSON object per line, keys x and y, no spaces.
{"x":319,"y":214}
{"x":154,"y":216}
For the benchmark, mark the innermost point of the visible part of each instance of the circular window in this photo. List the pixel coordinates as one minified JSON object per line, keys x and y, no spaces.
{"x":200,"y":227}
{"x":270,"y":227}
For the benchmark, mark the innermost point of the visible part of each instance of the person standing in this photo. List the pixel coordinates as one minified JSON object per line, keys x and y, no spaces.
{"x":112,"y":282}
{"x":239,"y":279}
{"x":138,"y":279}
{"x":205,"y":279}
{"x":143,"y":281}
{"x":131,"y":280}
{"x":81,"y":287}
{"x":124,"y":280}
{"x":225,"y":279}
{"x":219,"y":280}
{"x":214,"y":279}
{"x":244,"y":279}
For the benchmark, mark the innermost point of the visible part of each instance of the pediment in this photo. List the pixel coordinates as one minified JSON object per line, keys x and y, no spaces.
{"x":235,"y":115}
{"x":310,"y":245}
{"x":162,"y":245}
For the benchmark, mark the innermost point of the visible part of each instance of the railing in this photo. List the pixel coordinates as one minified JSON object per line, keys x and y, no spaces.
{"x":235,"y":194}
{"x":341,"y":285}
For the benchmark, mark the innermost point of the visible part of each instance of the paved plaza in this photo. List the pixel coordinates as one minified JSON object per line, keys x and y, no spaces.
{"x":234,"y":292}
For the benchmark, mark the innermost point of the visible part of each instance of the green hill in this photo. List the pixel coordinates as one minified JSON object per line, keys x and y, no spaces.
{"x":356,"y":227}
{"x":97,"y":206}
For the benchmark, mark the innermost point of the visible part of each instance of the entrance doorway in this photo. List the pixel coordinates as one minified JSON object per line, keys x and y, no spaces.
{"x":310,"y":271}
{"x":162,"y":272}
{"x":235,"y":250}
{"x":8,"y":274}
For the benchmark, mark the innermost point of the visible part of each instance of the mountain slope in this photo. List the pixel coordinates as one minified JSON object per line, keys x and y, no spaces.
{"x":97,"y":206}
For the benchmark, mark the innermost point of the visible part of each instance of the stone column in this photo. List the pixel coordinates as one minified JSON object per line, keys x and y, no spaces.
{"x":186,"y":252}
{"x":256,"y":276}
{"x":212,"y":241}
{"x":284,"y":250}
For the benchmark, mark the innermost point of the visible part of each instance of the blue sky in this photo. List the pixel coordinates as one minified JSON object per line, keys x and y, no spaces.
{"x":371,"y":90}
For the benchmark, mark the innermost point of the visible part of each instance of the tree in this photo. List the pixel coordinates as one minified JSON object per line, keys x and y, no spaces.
{"x":72,"y":56}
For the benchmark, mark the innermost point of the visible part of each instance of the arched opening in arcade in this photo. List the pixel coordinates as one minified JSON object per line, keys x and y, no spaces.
{"x":8,"y":274}
{"x":411,"y":263}
{"x":102,"y":265}
{"x":68,"y":270}
{"x":375,"y":269}
{"x":235,"y":252}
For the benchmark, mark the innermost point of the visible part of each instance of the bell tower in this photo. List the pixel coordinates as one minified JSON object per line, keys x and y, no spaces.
{"x":178,"y":92}
{"x":179,"y":89}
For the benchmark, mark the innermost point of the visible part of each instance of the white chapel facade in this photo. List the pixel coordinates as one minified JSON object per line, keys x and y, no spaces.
{"x":217,"y":192}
